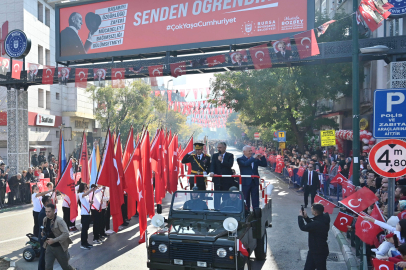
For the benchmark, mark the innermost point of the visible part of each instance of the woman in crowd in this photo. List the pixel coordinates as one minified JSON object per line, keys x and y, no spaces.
{"x":36,"y":198}
{"x":345,"y":171}
{"x":83,"y":193}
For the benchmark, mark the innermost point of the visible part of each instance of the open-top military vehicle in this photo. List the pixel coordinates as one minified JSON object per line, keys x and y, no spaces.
{"x":198,"y":234}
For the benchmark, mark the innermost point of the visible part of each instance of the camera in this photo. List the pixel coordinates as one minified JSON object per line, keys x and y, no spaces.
{"x":43,"y":238}
{"x":302,"y":208}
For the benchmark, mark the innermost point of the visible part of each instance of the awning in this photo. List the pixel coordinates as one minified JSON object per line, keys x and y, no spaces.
{"x":40,"y":146}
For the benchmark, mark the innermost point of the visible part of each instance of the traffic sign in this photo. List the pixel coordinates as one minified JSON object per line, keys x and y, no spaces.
{"x":282,"y":145}
{"x":388,"y":158}
{"x":390,"y":113}
{"x":281,"y":136}
{"x":256,"y":135}
{"x":17,"y":44}
{"x":327,"y":137}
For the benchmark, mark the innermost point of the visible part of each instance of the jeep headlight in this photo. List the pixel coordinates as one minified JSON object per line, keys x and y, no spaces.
{"x":221,"y":252}
{"x":162,"y":248}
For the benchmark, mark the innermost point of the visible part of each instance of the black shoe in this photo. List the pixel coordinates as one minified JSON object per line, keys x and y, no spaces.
{"x":89,"y":245}
{"x":125,"y":224}
{"x":136,"y":214}
{"x":305,"y":206}
{"x":84,"y":247}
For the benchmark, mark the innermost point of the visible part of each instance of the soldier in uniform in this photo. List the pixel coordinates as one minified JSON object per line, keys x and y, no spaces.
{"x":200,"y":165}
{"x":232,"y":202}
{"x":195,"y":203}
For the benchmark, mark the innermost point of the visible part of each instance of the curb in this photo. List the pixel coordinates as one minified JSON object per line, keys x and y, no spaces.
{"x":349,"y":257}
{"x":12,"y":263}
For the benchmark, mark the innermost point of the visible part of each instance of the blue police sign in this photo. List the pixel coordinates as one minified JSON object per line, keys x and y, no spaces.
{"x":399,"y":8}
{"x":390,"y":113}
{"x":16,"y":44}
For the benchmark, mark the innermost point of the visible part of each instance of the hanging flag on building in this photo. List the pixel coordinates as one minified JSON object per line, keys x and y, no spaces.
{"x":156,"y":71}
{"x":178,"y":69}
{"x":216,"y":60}
{"x":81,"y":77}
{"x":118,"y":77}
{"x":32,"y":72}
{"x":306,"y":44}
{"x":48,"y":75}
{"x":260,"y":57}
{"x":283,"y":49}
{"x":63,"y":75}
{"x":99,"y":75}
{"x":17,"y":67}
{"x":323,"y":28}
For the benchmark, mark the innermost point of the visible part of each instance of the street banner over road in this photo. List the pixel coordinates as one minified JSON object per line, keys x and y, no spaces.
{"x":120,"y":27}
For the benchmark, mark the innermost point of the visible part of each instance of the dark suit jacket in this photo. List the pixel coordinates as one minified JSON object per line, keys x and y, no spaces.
{"x":71,"y":44}
{"x":288,"y":54}
{"x":246,"y":168}
{"x":315,"y":179}
{"x":222,"y":168}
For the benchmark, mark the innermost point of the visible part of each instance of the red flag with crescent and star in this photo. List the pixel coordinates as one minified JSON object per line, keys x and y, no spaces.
{"x":366,"y":230}
{"x":371,"y":15}
{"x":260,"y":57}
{"x":377,"y":214}
{"x":306,"y":44}
{"x":156,"y":71}
{"x":348,"y":189}
{"x":360,"y":200}
{"x":178,"y":69}
{"x":339,"y":178}
{"x":81,"y":77}
{"x":118,"y":77}
{"x":66,"y":185}
{"x":342,"y":221}
{"x":17,"y":67}
{"x":328,"y":206}
{"x":301,"y":171}
{"x":216,"y":60}
{"x":48,"y":75}
{"x":383,"y":265}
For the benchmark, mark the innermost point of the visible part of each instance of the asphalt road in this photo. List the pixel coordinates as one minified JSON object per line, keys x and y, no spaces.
{"x":287,"y":245}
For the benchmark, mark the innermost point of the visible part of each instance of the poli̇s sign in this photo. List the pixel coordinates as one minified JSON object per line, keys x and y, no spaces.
{"x":399,"y":8}
{"x":93,"y":30}
{"x":390,"y":114}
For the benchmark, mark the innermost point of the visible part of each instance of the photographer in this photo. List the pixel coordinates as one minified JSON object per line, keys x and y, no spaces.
{"x":56,"y":236}
{"x":318,"y":228}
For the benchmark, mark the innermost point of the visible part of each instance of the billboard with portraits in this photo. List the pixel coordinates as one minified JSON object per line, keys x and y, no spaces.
{"x":92,"y":30}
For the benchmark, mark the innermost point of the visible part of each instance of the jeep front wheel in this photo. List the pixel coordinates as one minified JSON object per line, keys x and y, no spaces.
{"x":262,"y":246}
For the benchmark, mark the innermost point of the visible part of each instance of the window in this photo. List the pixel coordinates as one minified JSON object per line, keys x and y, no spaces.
{"x":57,"y":96}
{"x":41,"y":98}
{"x":47,"y":57}
{"x":47,"y":17}
{"x":57,"y":133}
{"x":40,"y":14}
{"x":48,"y":100}
{"x":40,"y":55}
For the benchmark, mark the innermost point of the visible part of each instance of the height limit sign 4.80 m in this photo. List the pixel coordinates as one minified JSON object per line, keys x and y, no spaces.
{"x":388,"y":158}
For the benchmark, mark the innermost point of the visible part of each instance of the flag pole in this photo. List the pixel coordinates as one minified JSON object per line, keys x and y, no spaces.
{"x":104,"y":148}
{"x":81,"y":153}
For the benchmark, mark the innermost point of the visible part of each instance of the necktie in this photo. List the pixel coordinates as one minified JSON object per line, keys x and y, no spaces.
{"x":310,"y":179}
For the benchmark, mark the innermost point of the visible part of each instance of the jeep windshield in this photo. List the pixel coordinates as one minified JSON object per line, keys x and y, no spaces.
{"x":208,"y":201}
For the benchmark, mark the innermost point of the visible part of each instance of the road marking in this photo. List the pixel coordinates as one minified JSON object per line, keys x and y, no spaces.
{"x":12,"y":239}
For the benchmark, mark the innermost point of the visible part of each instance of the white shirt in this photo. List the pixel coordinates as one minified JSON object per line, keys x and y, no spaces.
{"x":85,"y":205}
{"x":66,"y":200}
{"x":96,"y":198}
{"x":53,"y":198}
{"x":106,"y":198}
{"x":37,"y":202}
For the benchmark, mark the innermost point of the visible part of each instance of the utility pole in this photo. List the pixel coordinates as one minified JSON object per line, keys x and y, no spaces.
{"x":355,"y":97}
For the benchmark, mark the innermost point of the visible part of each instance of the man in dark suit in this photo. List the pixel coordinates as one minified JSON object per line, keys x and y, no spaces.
{"x":283,"y":54}
{"x":45,"y":170}
{"x":310,"y":184}
{"x":200,"y":163}
{"x":248,"y":164}
{"x":221,"y":164}
{"x":71,"y":44}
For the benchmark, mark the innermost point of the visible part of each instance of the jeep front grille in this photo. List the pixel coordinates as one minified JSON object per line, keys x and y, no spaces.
{"x":191,"y":252}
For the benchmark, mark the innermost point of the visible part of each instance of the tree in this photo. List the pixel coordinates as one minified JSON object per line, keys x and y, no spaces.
{"x":287,"y":98}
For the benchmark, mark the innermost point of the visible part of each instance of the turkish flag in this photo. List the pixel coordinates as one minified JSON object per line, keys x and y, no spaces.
{"x":300,"y":171}
{"x":66,"y":185}
{"x":339,"y":178}
{"x":156,"y":71}
{"x":383,"y":265}
{"x":84,"y":161}
{"x":118,"y":77}
{"x":360,"y":200}
{"x":174,"y":173}
{"x":129,"y":148}
{"x":81,"y":77}
{"x":377,"y":214}
{"x":402,"y":215}
{"x":147,"y":175}
{"x":178,"y":69}
{"x":350,"y":171}
{"x":260,"y":57}
{"x":241,"y":248}
{"x":216,"y":60}
{"x":48,"y":75}
{"x":17,"y":67}
{"x":342,"y":221}
{"x":306,"y":44}
{"x":370,"y":15}
{"x":131,"y":174}
{"x":348,"y":189}
{"x":366,"y":230}
{"x":290,"y":171}
{"x":109,"y":176}
{"x":119,"y":159}
{"x":279,"y":167}
{"x":8,"y":190}
{"x":328,"y":206}
{"x":157,"y":166}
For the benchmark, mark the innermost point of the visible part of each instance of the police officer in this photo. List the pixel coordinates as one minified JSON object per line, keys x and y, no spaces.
{"x":232,"y":202}
{"x":195,"y":203}
{"x":200,"y":163}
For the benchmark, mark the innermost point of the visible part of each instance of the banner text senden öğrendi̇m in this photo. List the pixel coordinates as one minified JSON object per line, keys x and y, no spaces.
{"x":181,"y":10}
